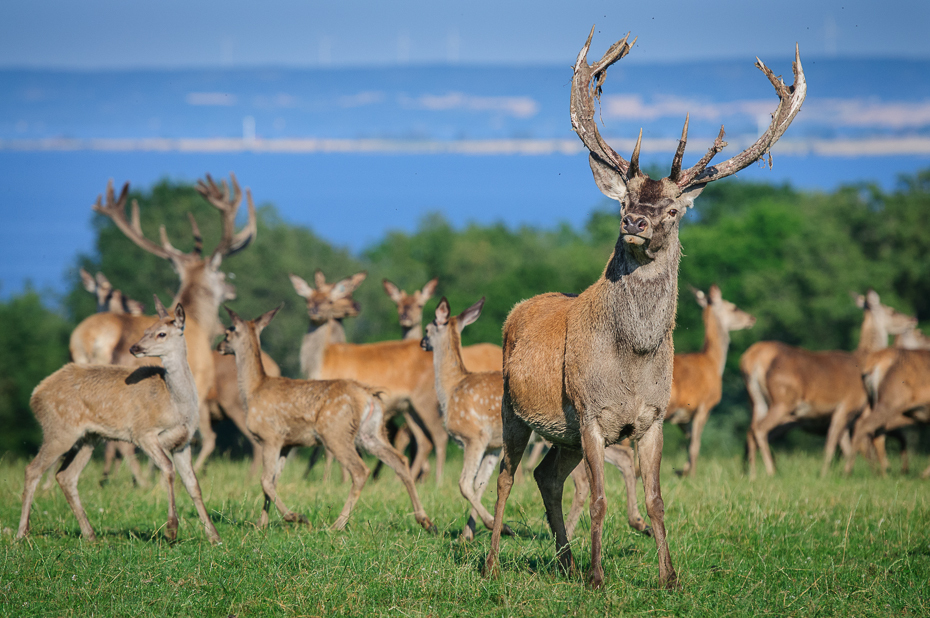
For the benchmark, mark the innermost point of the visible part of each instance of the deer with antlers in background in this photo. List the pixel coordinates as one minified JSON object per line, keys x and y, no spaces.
{"x":156,"y":408}
{"x":697,"y":377}
{"x":590,"y":370}
{"x":203,"y":288}
{"x":283,"y":413}
{"x":789,"y":385}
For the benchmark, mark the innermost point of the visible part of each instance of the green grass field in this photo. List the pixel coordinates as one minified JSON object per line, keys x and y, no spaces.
{"x":794,"y":545}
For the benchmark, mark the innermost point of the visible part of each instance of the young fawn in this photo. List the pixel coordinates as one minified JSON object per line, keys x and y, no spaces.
{"x":283,"y":413}
{"x":155,"y":408}
{"x":470,"y":404}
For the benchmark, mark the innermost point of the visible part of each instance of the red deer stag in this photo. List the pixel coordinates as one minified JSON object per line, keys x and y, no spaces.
{"x":155,"y":408}
{"x":697,"y":378}
{"x":400,"y":368}
{"x":282,"y":413}
{"x":203,"y":288}
{"x":789,"y":385}
{"x":590,"y":370}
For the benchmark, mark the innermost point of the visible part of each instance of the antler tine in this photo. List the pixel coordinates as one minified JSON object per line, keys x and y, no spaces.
{"x":634,"y":160}
{"x":198,"y":238}
{"x":115,"y":209}
{"x":680,"y":152}
{"x":790,"y":99}
{"x":166,"y":244}
{"x":586,"y":87}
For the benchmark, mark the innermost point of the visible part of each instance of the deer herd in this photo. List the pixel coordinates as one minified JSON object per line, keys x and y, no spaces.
{"x":586,"y":374}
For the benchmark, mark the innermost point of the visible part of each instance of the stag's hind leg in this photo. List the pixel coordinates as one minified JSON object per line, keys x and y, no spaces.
{"x":650,"y":460}
{"x":621,"y":456}
{"x":67,"y":478}
{"x":550,"y":477}
{"x":516,"y":435}
{"x":349,"y":459}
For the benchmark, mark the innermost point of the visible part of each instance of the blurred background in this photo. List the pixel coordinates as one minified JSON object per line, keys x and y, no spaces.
{"x":418,"y":139}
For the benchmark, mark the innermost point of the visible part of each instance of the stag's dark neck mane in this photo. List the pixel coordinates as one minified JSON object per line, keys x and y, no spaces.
{"x":641,"y":298}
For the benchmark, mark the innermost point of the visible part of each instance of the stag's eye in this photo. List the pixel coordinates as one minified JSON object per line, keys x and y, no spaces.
{"x":160,"y":335}
{"x":673,"y":212}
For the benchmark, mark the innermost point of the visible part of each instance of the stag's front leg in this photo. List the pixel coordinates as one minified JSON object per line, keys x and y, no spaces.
{"x":592,"y":445}
{"x":182,"y":461}
{"x":650,"y":460}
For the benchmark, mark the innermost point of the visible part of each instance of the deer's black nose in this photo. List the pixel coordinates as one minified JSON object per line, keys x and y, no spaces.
{"x":633,"y":224}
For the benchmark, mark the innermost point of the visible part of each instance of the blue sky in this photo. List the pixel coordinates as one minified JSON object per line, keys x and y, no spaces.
{"x":95,"y":34}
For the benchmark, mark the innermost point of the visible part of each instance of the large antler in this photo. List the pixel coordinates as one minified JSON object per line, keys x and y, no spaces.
{"x":228,"y":204}
{"x":586,"y":87}
{"x":115,"y":209}
{"x":790,"y":99}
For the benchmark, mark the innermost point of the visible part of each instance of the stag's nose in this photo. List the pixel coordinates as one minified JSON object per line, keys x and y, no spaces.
{"x":633,"y":224}
{"x":135,"y":350}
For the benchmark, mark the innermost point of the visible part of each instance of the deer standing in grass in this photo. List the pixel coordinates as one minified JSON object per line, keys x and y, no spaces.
{"x":590,"y":370}
{"x":789,"y":385}
{"x":156,"y":408}
{"x":477,"y":357}
{"x":895,"y":379}
{"x":400,"y":368}
{"x":203,"y":288}
{"x":283,"y":413}
{"x":697,"y":377}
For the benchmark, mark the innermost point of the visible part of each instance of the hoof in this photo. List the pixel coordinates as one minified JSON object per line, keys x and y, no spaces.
{"x":429,"y":526}
{"x":491,"y":569}
{"x":596,"y":579}
{"x":671,"y":583}
{"x":104,"y":482}
{"x":507,"y":531}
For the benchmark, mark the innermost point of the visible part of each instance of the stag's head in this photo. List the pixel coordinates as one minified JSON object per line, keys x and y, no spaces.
{"x":651,"y":210}
{"x":886,"y":318}
{"x":410,"y":306}
{"x":202,"y":281}
{"x":328,"y":301}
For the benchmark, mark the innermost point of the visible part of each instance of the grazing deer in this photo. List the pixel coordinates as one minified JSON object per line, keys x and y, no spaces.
{"x":697,"y":378}
{"x":156,"y":408}
{"x":400,"y":368}
{"x":789,"y":385}
{"x":590,"y":370}
{"x":203,"y":288}
{"x":284,"y":413}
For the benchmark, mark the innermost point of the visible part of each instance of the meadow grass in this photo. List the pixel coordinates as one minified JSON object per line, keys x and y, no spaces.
{"x":794,"y":545}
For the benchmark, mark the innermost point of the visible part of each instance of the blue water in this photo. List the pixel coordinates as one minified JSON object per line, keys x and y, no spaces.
{"x":350,"y":200}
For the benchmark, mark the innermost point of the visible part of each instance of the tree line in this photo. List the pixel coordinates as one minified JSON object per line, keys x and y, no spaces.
{"x":789,"y":257}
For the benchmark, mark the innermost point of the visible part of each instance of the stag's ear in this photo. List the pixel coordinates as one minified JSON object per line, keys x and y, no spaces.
{"x":319,"y":279}
{"x":393,"y":291}
{"x":427,"y":291}
{"x":179,"y":316}
{"x":608,"y":179}
{"x":715,"y":295}
{"x":300,"y":286}
{"x":859,"y":299}
{"x":470,"y":315}
{"x":160,"y":308}
{"x":89,"y":284}
{"x":216,"y":260}
{"x":102,"y":281}
{"x":872,"y":299}
{"x":690,"y":194}
{"x":264,"y":319}
{"x":442,"y":312}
